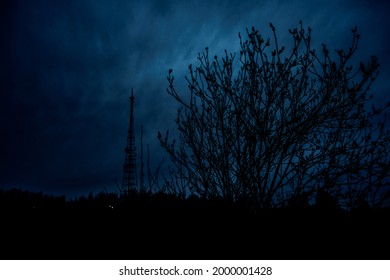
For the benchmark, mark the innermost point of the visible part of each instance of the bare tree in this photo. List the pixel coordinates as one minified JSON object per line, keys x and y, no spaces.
{"x":278,"y":126}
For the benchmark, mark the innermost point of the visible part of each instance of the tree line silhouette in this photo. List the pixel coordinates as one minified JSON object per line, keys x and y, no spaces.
{"x":160,"y":225}
{"x":147,"y":202}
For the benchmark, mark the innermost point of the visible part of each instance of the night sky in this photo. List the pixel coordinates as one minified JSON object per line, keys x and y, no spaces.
{"x":68,"y":67}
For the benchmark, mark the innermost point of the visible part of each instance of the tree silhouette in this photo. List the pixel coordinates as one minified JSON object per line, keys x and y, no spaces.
{"x":276,"y":127}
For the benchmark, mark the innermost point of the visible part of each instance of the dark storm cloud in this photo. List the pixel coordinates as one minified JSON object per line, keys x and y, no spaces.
{"x":67,"y":69}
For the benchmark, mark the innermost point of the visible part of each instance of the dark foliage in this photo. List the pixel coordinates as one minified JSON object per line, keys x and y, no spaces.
{"x":18,"y":199}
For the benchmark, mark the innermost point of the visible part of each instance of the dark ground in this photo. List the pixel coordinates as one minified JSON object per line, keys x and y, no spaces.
{"x":166,"y":228}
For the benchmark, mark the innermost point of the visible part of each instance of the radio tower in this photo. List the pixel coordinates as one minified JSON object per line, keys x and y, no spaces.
{"x":129,"y":181}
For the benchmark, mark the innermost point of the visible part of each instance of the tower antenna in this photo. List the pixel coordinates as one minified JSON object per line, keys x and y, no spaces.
{"x":129,"y":180}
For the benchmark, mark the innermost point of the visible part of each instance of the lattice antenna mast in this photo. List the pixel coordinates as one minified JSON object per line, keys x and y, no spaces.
{"x":129,"y":181}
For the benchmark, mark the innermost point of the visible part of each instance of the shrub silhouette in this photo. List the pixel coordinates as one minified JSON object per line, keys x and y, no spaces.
{"x":273,"y":126}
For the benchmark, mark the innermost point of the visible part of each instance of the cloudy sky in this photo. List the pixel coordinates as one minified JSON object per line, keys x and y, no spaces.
{"x":67,"y":69}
